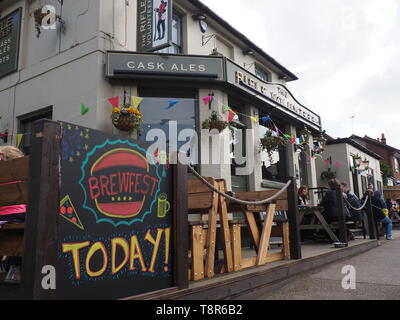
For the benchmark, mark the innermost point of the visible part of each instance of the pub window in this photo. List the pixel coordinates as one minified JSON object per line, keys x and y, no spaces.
{"x":274,"y":166}
{"x":262,"y":74}
{"x":240,"y":183}
{"x":176,"y":47}
{"x":26,"y":126}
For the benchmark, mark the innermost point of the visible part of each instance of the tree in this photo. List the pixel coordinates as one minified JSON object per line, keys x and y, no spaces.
{"x":386,"y":172}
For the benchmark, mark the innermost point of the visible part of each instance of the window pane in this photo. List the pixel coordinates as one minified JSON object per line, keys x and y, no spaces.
{"x":262,"y":74}
{"x":156,"y":117}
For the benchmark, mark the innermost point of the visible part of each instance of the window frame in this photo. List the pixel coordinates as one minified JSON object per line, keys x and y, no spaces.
{"x":258,"y":69}
{"x":30,"y":118}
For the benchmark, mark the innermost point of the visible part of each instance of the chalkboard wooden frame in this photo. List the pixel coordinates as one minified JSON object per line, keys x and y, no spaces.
{"x":41,"y":237}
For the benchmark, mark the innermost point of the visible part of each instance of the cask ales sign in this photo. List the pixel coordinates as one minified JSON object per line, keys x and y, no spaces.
{"x":115,"y":226}
{"x":154,"y":24}
{"x":10,"y":27}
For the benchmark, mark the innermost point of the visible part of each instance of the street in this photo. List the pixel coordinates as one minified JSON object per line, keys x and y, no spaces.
{"x":377,"y":278}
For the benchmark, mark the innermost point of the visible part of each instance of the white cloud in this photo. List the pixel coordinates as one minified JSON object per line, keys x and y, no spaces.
{"x":342,"y":51}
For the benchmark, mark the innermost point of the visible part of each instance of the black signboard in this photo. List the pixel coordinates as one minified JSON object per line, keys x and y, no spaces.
{"x":154,"y":24}
{"x":140,"y":65}
{"x":115,"y":236}
{"x":10,"y":27}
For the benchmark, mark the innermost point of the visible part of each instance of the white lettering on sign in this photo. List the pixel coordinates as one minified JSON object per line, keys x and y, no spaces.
{"x":277,"y":93}
{"x":161,"y":66}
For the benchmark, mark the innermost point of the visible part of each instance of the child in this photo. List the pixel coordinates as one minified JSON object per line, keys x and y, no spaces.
{"x":11,"y":213}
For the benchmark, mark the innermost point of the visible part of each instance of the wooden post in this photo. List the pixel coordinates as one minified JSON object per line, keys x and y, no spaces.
{"x":371,"y":220}
{"x":181,"y":227}
{"x":341,"y":217}
{"x":294,"y":223}
{"x":41,"y":234}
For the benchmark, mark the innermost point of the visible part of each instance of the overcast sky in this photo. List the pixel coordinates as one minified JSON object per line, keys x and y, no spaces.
{"x":346,"y":54}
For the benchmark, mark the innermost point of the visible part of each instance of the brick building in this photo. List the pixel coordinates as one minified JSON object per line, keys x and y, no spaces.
{"x":390,"y":155}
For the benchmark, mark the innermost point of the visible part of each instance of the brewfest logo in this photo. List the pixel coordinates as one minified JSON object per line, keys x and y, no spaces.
{"x":120,"y":185}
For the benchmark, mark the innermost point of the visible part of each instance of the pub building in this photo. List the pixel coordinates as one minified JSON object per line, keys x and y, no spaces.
{"x":179,"y":50}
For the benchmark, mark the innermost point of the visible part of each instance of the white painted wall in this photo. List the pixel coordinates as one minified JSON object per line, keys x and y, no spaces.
{"x":342,"y":153}
{"x":65,"y":68}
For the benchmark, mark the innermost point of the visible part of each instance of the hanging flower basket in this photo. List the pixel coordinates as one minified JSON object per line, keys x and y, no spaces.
{"x":215,"y":122}
{"x":271,"y":143}
{"x":127,"y":118}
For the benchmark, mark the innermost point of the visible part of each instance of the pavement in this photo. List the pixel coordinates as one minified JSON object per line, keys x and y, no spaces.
{"x":377,"y":278}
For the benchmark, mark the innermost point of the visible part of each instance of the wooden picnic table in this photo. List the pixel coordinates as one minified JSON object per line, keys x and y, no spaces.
{"x":316,"y":213}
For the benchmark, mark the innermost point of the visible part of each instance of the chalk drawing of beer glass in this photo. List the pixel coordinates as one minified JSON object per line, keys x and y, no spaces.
{"x":163,"y":206}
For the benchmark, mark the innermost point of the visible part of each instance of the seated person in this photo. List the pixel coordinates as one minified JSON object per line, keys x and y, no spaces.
{"x":329,"y":202}
{"x":303,"y":197}
{"x":11,"y":265}
{"x":379,"y":208}
{"x":330,"y":205}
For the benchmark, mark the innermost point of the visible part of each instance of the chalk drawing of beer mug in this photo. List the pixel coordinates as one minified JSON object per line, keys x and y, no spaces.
{"x":163,"y":206}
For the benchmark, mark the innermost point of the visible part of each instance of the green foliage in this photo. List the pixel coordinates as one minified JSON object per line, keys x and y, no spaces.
{"x":386,"y":172}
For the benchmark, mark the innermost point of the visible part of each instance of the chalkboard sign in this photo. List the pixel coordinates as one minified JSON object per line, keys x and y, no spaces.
{"x":115,"y":233}
{"x":10,"y":27}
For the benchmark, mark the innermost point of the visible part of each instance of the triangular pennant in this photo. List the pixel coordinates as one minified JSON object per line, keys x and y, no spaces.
{"x":231,"y":116}
{"x":266,"y":119}
{"x":254,"y":119}
{"x":226,"y":108}
{"x":207,"y":100}
{"x":84,"y":109}
{"x":114,"y":102}
{"x":171,"y":104}
{"x":293,"y":140}
{"x":19,"y":139}
{"x":136,"y":101}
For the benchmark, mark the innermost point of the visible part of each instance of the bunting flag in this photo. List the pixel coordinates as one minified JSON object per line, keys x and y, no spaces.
{"x":171,"y":104}
{"x":326,"y":161}
{"x":254,"y":119}
{"x":231,"y":116}
{"x":136,"y":101}
{"x":19,"y":139}
{"x":207,"y":100}
{"x":277,"y":130}
{"x":114,"y":102}
{"x":84,"y":109}
{"x":266,"y":119}
{"x":226,"y":108}
{"x":293,"y":140}
{"x":287,"y":136}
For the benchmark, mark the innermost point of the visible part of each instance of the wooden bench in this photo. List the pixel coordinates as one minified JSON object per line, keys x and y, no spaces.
{"x":262,"y":231}
{"x":210,"y":212}
{"x":12,"y":234}
{"x":202,"y":203}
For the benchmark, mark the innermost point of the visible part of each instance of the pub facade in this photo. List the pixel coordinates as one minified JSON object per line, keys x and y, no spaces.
{"x":158,"y":51}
